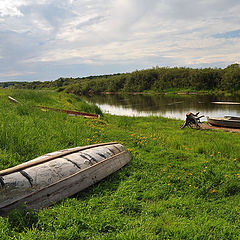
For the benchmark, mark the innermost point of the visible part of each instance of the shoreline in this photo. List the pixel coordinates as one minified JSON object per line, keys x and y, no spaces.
{"x":187,"y":92}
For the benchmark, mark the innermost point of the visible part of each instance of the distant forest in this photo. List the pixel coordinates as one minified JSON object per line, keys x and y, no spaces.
{"x":157,"y":79}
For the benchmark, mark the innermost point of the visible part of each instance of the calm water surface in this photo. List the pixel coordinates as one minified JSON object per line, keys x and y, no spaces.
{"x":167,"y":106}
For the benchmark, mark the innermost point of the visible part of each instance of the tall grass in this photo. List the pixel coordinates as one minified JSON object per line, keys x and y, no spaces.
{"x":26,"y":131}
{"x":50,"y":98}
{"x":180,"y":184}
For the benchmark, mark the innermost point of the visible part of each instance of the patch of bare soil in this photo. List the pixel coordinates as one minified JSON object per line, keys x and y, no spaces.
{"x":206,"y":126}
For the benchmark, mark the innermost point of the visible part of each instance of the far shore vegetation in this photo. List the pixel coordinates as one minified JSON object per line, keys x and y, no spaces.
{"x":180,"y":183}
{"x":149,"y":81}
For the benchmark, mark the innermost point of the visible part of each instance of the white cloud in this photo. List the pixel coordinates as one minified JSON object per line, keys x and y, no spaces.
{"x":102,"y":32}
{"x":16,"y":74}
{"x":9,"y":8}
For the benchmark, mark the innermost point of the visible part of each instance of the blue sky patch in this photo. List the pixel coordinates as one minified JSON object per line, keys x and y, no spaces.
{"x":231,"y":34}
{"x":44,"y":40}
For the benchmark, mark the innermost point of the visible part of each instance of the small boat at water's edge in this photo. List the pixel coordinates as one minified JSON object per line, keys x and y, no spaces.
{"x":226,"y":121}
{"x":48,"y":179}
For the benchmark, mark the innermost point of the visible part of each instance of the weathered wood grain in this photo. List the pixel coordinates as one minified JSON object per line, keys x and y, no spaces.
{"x":42,"y":185}
{"x":48,"y":157}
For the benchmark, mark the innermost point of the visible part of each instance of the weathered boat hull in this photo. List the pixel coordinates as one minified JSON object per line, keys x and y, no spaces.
{"x":50,"y":178}
{"x":232,"y":118}
{"x":228,"y":121}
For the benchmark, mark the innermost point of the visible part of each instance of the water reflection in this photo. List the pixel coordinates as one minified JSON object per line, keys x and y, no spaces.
{"x":175,"y":106}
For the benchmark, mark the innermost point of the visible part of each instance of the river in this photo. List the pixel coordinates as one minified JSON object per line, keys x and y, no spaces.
{"x":171,"y":106}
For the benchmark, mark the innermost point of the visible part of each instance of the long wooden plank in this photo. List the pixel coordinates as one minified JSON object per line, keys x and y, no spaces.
{"x":70,"y":185}
{"x":12,"y":99}
{"x":48,"y":158}
{"x":227,"y":103}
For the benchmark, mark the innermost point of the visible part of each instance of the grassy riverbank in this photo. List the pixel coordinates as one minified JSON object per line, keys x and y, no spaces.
{"x":180,"y":184}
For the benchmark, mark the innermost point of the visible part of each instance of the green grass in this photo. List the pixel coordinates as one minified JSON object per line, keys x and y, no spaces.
{"x":50,"y":98}
{"x":180,"y":184}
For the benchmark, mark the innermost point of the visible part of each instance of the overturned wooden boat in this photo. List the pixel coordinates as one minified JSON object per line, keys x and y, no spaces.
{"x":226,"y":121}
{"x":70,"y":112}
{"x":48,"y":179}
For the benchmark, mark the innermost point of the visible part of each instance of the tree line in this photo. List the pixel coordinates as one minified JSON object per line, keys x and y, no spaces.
{"x":157,"y":79}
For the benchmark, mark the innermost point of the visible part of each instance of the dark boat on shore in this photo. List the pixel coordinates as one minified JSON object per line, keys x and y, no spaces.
{"x":70,"y":112}
{"x":52,"y":177}
{"x":226,"y":121}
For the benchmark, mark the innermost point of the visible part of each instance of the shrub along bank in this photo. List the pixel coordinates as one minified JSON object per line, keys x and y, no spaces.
{"x":157,"y":79}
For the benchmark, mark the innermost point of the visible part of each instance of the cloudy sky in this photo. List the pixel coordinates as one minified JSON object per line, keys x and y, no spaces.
{"x":47,"y":39}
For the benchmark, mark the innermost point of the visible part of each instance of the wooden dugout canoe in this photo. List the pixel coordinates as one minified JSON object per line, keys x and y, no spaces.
{"x":227,"y":121}
{"x":71,"y":113}
{"x":48,"y":179}
{"x":68,"y":112}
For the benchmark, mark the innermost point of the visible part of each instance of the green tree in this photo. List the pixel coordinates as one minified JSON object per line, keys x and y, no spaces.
{"x":231,"y":77}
